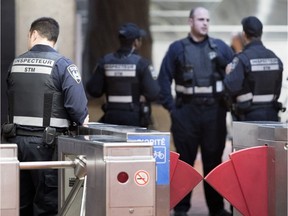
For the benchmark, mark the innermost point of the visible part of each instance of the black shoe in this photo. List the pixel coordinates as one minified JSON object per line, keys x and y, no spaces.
{"x":222,"y":212}
{"x":180,"y":214}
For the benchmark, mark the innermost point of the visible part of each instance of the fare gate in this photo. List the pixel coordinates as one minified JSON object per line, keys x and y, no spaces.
{"x":9,"y":180}
{"x":254,"y":178}
{"x":161,"y":153}
{"x":9,"y":177}
{"x":121,"y":176}
{"x":274,"y":135}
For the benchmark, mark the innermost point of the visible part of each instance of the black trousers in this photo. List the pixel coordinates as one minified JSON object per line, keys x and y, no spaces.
{"x":261,"y":114}
{"x":39,"y":187}
{"x":122,"y":117}
{"x":197,"y":126}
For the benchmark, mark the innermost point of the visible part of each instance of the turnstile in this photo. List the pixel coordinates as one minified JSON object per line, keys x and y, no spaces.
{"x":275,"y":136}
{"x":9,"y":180}
{"x":121,"y":175}
{"x":161,"y":152}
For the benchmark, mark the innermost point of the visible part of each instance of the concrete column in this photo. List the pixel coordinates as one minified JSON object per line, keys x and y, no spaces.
{"x":63,"y":11}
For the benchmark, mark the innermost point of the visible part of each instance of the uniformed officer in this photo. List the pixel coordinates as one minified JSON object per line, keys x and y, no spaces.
{"x":255,"y":77}
{"x":198,"y":115}
{"x":124,"y":76}
{"x":45,"y":96}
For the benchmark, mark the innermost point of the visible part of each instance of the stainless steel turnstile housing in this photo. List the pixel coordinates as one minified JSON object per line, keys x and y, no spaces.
{"x":121,"y":175}
{"x":9,"y":180}
{"x":275,"y":136}
{"x":161,"y":152}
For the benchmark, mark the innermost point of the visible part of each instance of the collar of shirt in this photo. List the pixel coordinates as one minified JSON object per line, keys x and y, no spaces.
{"x":41,"y":47}
{"x":200,"y":42}
{"x":254,"y":43}
{"x":125,"y":51}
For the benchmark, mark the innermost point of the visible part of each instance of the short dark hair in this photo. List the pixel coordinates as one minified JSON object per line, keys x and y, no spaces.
{"x":252,"y":26}
{"x":192,"y":11}
{"x":126,"y":42}
{"x":47,"y":27}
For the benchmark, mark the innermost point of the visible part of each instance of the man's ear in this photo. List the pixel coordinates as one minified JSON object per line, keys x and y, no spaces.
{"x":245,"y":37}
{"x":34,"y":35}
{"x":139,"y":42}
{"x":190,"y":21}
{"x":136,"y":43}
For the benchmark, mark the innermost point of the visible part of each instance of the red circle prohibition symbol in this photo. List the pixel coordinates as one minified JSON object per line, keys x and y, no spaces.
{"x":141,"y":177}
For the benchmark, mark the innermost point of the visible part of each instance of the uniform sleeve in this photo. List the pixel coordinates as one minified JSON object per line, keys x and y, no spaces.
{"x":234,"y":80}
{"x":95,"y":85}
{"x":225,"y":51}
{"x":149,"y":86}
{"x":165,"y":79}
{"x":70,"y":83}
{"x":281,"y":68}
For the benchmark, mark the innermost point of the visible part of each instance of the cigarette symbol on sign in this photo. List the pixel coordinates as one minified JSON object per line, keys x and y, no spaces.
{"x":141,"y":177}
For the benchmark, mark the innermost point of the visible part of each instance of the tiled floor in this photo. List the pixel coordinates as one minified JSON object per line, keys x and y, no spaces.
{"x":162,"y":123}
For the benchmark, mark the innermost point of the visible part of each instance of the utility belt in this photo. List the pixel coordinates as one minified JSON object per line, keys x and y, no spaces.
{"x":48,"y":134}
{"x":143,"y":108}
{"x":198,"y":100}
{"x":121,"y":106}
{"x":247,"y":106}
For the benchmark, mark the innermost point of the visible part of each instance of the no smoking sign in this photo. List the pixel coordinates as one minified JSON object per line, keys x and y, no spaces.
{"x":141,"y":177}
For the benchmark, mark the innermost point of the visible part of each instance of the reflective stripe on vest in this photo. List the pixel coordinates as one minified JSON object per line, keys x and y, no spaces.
{"x":38,"y":122}
{"x":193,"y":90}
{"x":200,"y":90}
{"x":255,"y":98}
{"x":120,"y":99}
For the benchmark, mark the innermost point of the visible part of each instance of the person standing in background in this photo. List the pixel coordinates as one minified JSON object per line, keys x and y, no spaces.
{"x":197,"y":65}
{"x":254,"y":78}
{"x":46,"y":97}
{"x":125,"y":77}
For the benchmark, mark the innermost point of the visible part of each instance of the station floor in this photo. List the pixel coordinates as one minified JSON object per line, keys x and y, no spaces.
{"x":161,"y":121}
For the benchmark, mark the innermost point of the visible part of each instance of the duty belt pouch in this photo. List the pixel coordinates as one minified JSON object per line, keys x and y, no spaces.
{"x":9,"y":130}
{"x":242,"y":107}
{"x":145,"y":114}
{"x":49,"y":135}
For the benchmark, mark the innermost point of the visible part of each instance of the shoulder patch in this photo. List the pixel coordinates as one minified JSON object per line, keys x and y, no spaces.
{"x":74,"y":72}
{"x":153,"y":72}
{"x":235,"y":61}
{"x":212,"y":55}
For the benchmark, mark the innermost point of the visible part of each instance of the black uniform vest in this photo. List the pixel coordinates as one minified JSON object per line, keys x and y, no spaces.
{"x":33,"y":98}
{"x":263,"y":76}
{"x":199,"y":76}
{"x":122,"y":83}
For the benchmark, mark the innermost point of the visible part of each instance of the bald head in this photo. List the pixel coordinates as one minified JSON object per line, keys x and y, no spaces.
{"x":199,"y":22}
{"x":198,"y":10}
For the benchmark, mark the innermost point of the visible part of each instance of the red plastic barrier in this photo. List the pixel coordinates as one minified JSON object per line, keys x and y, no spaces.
{"x":183,"y":179}
{"x":243,"y":180}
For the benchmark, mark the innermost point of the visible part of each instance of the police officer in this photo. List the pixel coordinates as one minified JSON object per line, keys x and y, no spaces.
{"x":124,"y":76}
{"x":255,"y":77}
{"x":197,"y":64}
{"x":45,"y":96}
